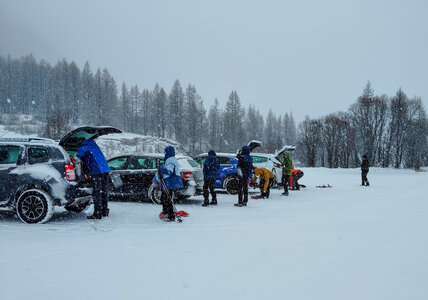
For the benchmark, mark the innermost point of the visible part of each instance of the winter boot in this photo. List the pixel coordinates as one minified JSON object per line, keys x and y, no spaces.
{"x":205,"y":204}
{"x":106,"y":212}
{"x":363,"y":183}
{"x":285,"y":193}
{"x":244,"y":203}
{"x":367,"y":183}
{"x":94,"y":217}
{"x":214,"y":202}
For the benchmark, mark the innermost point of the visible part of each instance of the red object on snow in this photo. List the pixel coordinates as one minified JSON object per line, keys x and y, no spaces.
{"x":182,"y":213}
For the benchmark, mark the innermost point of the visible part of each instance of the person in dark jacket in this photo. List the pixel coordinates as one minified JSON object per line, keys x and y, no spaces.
{"x":364,"y":170}
{"x":94,"y":159}
{"x":210,"y":169}
{"x":243,"y":171}
{"x":172,"y":178}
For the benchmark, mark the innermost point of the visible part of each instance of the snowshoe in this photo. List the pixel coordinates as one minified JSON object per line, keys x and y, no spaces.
{"x":257,"y":197}
{"x":182,"y":213}
{"x":238,"y":204}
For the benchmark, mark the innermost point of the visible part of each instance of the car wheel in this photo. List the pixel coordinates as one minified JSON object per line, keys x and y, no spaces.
{"x":154,"y":194}
{"x":231,"y":185}
{"x":34,"y":206}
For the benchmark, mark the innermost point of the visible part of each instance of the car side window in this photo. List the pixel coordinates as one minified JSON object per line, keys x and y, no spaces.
{"x":37,"y":155}
{"x":117,"y":164}
{"x":9,"y":154}
{"x":259,"y":159}
{"x":137,"y":163}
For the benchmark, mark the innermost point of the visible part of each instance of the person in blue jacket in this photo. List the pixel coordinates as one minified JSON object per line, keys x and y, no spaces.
{"x":172,"y":178}
{"x":210,"y":169}
{"x":94,"y":159}
{"x":243,"y":171}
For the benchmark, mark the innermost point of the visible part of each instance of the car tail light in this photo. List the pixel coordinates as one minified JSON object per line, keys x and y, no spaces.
{"x":69,"y":172}
{"x":186,"y":175}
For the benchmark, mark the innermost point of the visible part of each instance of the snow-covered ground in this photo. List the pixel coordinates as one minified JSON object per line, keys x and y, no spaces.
{"x":347,"y":242}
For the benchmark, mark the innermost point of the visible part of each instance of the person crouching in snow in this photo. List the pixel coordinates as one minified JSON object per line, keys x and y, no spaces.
{"x":243,"y":171}
{"x":94,"y":159}
{"x":210,"y":169}
{"x":265,"y":180}
{"x":172,"y":178}
{"x":364,"y":170}
{"x":296,"y":174}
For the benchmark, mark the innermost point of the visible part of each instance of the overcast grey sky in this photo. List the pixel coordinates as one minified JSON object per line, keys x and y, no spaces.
{"x":308,"y":57}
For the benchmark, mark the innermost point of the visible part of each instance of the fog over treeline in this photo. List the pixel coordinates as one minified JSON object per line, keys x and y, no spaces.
{"x":391,"y":130}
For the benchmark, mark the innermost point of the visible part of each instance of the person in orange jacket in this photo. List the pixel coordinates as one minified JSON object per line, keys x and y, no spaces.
{"x":265,"y":177}
{"x":295,"y":175}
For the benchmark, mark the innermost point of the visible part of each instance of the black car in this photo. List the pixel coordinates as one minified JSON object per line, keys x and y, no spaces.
{"x":35,"y":175}
{"x":132,"y":176}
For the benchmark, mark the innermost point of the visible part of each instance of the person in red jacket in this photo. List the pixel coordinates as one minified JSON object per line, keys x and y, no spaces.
{"x":296,"y":174}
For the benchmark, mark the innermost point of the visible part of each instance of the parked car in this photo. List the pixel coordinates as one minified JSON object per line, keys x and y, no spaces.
{"x":268,"y":161}
{"x":227,"y":178}
{"x":36,"y":175}
{"x":132,"y":176}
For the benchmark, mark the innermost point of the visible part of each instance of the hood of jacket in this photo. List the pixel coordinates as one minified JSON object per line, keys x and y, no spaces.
{"x":212,"y":152}
{"x":169,"y":152}
{"x":246,"y":150}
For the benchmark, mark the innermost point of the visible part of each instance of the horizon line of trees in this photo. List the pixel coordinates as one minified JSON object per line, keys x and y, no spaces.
{"x":392,"y":131}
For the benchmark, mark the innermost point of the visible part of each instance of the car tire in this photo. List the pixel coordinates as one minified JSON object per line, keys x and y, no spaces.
{"x":154,"y":194}
{"x":34,"y":206}
{"x":231,"y":184}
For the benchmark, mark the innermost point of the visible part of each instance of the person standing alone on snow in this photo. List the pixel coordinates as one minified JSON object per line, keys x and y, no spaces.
{"x":210,"y":169}
{"x":94,"y":159}
{"x":243,"y":171}
{"x":364,"y":170}
{"x":286,"y":166}
{"x":172,"y":178}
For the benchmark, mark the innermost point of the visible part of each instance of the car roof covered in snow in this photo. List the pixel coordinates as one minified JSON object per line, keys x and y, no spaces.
{"x":29,"y":141}
{"x":222,"y":154}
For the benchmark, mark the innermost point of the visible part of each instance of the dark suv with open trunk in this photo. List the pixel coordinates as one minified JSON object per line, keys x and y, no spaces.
{"x":35,"y":175}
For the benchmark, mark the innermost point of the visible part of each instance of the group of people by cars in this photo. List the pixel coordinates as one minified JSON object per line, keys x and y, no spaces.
{"x":74,"y":172}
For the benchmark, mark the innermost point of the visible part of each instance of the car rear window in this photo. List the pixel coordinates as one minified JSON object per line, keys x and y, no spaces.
{"x":9,"y":154}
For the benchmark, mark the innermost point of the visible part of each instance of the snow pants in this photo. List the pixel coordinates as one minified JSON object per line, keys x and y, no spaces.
{"x":364,"y":179}
{"x":285,"y":181}
{"x":167,"y":205}
{"x":243,"y":190}
{"x":296,"y":177}
{"x":209,"y":184}
{"x":262,"y":184}
{"x":99,"y":193}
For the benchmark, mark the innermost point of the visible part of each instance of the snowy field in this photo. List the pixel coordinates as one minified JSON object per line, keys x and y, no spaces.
{"x":347,"y":242}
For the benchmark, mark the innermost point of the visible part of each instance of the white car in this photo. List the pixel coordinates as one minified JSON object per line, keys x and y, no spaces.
{"x":268,"y":161}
